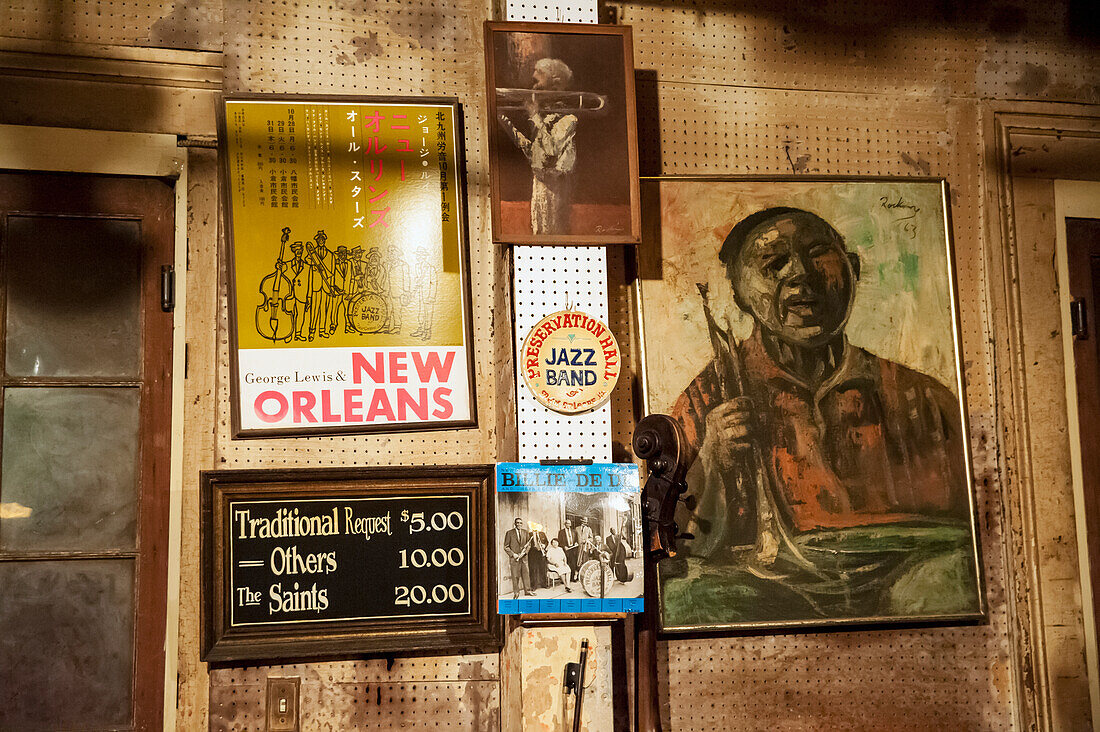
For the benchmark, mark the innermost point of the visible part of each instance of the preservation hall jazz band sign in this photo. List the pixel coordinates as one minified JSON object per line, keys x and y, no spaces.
{"x":348,"y":286}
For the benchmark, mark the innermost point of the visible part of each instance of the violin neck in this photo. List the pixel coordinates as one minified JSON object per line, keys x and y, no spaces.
{"x":647,"y":697}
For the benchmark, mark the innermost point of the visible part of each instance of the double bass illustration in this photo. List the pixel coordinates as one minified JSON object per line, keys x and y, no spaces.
{"x":275,"y":319}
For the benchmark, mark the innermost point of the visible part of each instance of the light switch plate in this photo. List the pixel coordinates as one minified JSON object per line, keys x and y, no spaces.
{"x":282,"y":704}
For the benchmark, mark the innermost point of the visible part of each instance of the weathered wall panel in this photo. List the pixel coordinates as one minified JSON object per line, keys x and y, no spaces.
{"x":1054,"y":515}
{"x":353,"y":695}
{"x":851,"y":87}
{"x":938,"y":50}
{"x":195,"y":25}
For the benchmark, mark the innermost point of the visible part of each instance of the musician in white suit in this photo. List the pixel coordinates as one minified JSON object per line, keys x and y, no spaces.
{"x":587,"y":541}
{"x":551,"y":150}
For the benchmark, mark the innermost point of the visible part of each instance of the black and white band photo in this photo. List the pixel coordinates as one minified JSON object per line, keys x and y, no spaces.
{"x":568,"y":545}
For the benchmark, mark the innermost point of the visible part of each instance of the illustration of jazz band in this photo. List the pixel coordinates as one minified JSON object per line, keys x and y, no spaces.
{"x":314,"y":291}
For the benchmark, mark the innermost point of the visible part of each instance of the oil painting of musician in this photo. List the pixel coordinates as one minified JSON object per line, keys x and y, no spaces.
{"x":562,"y":133}
{"x":803,"y":333}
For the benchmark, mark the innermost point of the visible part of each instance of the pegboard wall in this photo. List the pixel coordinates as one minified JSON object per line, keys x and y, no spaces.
{"x":546,"y":280}
{"x":437,"y":693}
{"x":562,"y":11}
{"x":195,"y":25}
{"x":375,"y":48}
{"x":852,"y":87}
{"x":830,"y":113}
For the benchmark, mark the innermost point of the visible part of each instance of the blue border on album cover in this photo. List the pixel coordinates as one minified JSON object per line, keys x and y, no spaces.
{"x":571,"y":606}
{"x":595,"y":478}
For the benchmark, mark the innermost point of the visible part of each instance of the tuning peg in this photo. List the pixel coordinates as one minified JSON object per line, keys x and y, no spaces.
{"x":690,"y":501}
{"x":646,"y":444}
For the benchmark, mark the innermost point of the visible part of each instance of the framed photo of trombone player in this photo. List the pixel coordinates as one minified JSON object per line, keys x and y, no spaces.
{"x":348,"y":282}
{"x":804,"y":334}
{"x":563,"y":151}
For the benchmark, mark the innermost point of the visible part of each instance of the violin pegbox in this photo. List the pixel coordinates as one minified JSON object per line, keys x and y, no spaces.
{"x":659,"y":440}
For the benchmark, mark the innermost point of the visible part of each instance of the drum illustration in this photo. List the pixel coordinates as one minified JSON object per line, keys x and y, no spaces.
{"x":367,"y":312}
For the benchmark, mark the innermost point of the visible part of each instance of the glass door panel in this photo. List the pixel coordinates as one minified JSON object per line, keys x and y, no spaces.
{"x":66,"y":644}
{"x":69,"y":474}
{"x":74,"y":296}
{"x":84,"y":424}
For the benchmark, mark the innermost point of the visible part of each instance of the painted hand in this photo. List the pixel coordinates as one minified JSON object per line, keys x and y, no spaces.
{"x":731,"y":431}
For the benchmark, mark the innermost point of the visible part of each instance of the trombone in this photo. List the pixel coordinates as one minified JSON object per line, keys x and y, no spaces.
{"x":550,"y":100}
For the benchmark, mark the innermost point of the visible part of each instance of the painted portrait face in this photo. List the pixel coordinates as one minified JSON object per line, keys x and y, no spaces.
{"x":542,"y":79}
{"x":519,"y":524}
{"x":796,"y":278}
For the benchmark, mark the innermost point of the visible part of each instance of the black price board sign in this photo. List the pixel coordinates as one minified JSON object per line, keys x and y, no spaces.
{"x":319,"y":560}
{"x":331,"y":562}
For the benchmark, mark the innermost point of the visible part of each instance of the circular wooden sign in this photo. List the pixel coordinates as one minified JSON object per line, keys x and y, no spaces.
{"x":570,"y":362}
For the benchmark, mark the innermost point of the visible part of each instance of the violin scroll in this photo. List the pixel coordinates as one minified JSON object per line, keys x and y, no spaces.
{"x":660,"y":441}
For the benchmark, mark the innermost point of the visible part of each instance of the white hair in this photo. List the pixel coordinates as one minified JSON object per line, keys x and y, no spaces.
{"x":556,"y":69}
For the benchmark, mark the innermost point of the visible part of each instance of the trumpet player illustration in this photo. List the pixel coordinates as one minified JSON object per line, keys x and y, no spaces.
{"x":551,"y":148}
{"x":424,"y":290}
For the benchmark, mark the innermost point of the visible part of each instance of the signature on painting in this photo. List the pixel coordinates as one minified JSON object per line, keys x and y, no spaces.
{"x":905,"y":212}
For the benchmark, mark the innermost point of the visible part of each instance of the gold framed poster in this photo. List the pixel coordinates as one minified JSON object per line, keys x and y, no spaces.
{"x":804,"y":334}
{"x":348,"y":279}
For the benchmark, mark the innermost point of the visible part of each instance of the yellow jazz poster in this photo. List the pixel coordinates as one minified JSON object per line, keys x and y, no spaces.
{"x":349,"y":302}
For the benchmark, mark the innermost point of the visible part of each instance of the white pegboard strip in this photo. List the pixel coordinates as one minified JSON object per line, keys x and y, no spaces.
{"x":547,"y":279}
{"x":577,"y":11}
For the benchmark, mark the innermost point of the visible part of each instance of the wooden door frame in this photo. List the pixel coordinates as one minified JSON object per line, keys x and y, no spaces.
{"x":49,"y":149}
{"x":1029,"y":147}
{"x":55,"y":84}
{"x":1080,"y":199}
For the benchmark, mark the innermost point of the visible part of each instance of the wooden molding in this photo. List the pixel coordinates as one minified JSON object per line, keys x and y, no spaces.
{"x":118,"y":64}
{"x":1059,"y":142}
